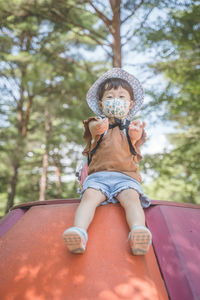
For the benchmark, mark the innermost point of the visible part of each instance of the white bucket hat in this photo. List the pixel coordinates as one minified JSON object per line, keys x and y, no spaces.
{"x":92,"y":95}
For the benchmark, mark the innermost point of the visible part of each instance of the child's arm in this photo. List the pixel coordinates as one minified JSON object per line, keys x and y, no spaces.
{"x":136,"y":131}
{"x":98,"y":127}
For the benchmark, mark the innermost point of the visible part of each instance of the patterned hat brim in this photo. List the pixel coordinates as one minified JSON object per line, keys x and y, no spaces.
{"x":92,"y":95}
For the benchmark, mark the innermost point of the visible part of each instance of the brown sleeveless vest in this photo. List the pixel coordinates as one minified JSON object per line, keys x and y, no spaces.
{"x":113,"y":153}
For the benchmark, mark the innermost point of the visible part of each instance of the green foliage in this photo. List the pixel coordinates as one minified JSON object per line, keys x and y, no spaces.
{"x":40,"y":59}
{"x":176,"y":174}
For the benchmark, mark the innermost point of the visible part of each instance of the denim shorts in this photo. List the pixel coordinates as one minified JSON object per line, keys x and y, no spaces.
{"x":111,"y":183}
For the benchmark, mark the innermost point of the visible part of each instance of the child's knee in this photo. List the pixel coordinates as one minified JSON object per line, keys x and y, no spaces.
{"x":128,"y":194}
{"x":90,"y":192}
{"x":93,"y":196}
{"x":129,"y":197}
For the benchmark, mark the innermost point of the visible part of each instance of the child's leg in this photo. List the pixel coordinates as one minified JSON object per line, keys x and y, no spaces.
{"x":129,"y":200}
{"x":76,"y":237}
{"x":86,"y":209}
{"x":140,"y":236}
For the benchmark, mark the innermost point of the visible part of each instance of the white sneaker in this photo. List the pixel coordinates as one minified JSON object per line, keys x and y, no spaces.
{"x":76,"y":239}
{"x":140,"y":239}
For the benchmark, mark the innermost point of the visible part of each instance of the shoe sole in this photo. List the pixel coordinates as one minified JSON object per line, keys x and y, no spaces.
{"x":74,"y":242}
{"x":140,"y":241}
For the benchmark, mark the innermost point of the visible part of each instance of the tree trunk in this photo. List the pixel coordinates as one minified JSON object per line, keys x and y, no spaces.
{"x":43,"y":183}
{"x":58,"y":181}
{"x":116,"y":24}
{"x":45,"y":161}
{"x":22,"y":125}
{"x":26,"y":116}
{"x":16,"y":158}
{"x":12,"y":188}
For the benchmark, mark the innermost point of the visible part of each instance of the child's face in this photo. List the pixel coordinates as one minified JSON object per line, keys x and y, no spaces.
{"x":120,"y":93}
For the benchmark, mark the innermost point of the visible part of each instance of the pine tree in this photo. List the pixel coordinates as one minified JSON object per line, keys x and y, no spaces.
{"x":177,"y":171}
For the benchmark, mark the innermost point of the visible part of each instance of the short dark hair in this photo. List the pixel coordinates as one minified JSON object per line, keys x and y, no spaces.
{"x":114,"y":83}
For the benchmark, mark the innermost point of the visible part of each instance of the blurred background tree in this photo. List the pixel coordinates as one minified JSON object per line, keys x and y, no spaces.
{"x":47,"y":64}
{"x":43,"y":85}
{"x":177,"y":171}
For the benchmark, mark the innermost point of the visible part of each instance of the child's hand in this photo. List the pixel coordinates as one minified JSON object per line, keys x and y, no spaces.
{"x":135,"y":130}
{"x":99,"y":127}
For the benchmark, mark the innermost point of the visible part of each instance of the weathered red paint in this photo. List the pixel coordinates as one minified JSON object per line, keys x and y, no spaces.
{"x":176,"y":241}
{"x":36,"y":265}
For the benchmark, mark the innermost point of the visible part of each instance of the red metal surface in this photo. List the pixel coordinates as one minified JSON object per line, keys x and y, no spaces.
{"x":10,"y":219}
{"x":46,"y":202}
{"x":36,"y":265}
{"x":176,"y":241}
{"x":77,"y":200}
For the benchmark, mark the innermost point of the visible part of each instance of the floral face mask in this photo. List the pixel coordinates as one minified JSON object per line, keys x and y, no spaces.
{"x":116,"y":107}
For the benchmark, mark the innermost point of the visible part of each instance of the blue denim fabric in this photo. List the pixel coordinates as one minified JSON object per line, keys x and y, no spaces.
{"x":111,"y":183}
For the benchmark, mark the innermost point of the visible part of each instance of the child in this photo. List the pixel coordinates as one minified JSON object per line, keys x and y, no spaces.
{"x":113,"y":151}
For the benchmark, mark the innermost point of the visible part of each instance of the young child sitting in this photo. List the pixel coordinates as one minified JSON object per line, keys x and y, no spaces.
{"x":113,"y":151}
